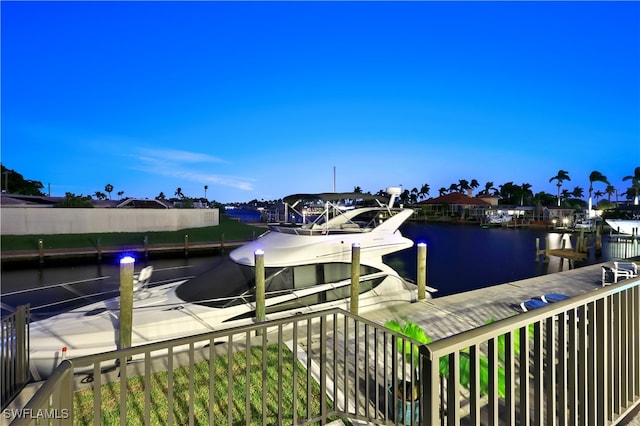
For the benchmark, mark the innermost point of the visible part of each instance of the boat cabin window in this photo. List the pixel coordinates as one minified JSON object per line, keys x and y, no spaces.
{"x":229,"y":283}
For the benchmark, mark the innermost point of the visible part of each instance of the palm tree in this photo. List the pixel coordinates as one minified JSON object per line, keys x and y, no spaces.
{"x":405,"y":196}
{"x":595,"y":176}
{"x":474,"y":184}
{"x":120,"y":194}
{"x":205,"y":191}
{"x":453,"y":187}
{"x":560,"y":177}
{"x":463,"y":186}
{"x":489,"y":189}
{"x":598,"y":194}
{"x":442,"y":191}
{"x":508,"y":192}
{"x":525,"y":191}
{"x":424,"y":191}
{"x":610,"y":190}
{"x":577,"y":192}
{"x":100,"y":195}
{"x":414,"y":195}
{"x":635,"y":184}
{"x":179,"y":193}
{"x":160,"y":196}
{"x":108,"y":187}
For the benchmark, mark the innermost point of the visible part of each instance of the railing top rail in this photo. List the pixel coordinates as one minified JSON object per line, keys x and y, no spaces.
{"x":42,"y":396}
{"x":216,"y":334}
{"x":457,"y":342}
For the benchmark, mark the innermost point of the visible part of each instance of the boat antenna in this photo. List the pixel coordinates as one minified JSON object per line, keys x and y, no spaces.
{"x":334,"y":178}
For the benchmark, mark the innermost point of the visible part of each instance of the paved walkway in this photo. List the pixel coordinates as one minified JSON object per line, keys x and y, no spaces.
{"x":444,"y":316}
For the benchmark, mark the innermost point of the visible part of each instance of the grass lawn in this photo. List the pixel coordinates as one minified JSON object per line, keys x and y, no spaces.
{"x":228,"y":230}
{"x":260,"y":382}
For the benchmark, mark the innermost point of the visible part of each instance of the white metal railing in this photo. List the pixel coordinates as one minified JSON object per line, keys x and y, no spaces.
{"x":14,"y":349}
{"x":346,"y":368}
{"x":576,"y":361}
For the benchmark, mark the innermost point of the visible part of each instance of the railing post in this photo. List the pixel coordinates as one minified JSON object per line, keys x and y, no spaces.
{"x":355,"y":278}
{"x":260,"y":290}
{"x":430,"y":392}
{"x":21,"y":354}
{"x":600,"y":396}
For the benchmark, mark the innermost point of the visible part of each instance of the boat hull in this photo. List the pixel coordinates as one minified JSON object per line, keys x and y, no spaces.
{"x":160,"y":315}
{"x":625,"y":226}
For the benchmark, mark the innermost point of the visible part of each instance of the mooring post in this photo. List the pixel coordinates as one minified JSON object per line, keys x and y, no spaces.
{"x":422,"y":271}
{"x":99,"y":248}
{"x":186,"y":245}
{"x":126,"y":301}
{"x":41,"y":250}
{"x":537,"y":249}
{"x":355,"y":277}
{"x":546,"y":249}
{"x":598,"y":242}
{"x":260,"y":290}
{"x":222,"y":242}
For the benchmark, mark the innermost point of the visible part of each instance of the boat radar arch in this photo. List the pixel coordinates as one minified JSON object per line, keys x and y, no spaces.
{"x":393,"y":191}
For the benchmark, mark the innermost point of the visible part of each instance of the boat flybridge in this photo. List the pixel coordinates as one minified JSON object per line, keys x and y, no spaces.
{"x":307,"y":267}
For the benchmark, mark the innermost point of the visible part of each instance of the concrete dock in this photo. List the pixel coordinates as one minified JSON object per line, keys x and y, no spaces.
{"x":448,"y":315}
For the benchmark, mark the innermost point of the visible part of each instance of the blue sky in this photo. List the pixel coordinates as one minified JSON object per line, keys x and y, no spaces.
{"x":264,"y":99}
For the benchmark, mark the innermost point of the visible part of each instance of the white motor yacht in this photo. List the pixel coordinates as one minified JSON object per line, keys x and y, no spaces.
{"x":307,"y":267}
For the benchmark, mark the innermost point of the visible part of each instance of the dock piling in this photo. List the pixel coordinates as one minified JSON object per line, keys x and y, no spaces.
{"x":542,"y":252}
{"x":41,"y":251}
{"x":126,"y":302}
{"x":422,"y":271}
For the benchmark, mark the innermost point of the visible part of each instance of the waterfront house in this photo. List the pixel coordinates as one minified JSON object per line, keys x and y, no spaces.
{"x":455,"y":205}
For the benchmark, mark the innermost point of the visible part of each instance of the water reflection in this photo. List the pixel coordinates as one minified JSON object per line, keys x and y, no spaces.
{"x":462,"y":258}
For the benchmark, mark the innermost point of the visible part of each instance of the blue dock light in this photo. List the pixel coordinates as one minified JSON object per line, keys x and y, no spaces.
{"x":127,"y":259}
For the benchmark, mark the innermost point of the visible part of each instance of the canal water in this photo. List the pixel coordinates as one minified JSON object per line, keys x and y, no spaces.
{"x":459,"y":258}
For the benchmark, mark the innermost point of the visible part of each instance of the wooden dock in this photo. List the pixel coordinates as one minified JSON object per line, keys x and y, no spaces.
{"x":567,"y":254}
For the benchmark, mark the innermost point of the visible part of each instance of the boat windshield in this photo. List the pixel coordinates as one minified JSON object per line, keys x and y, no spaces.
{"x":228,"y":283}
